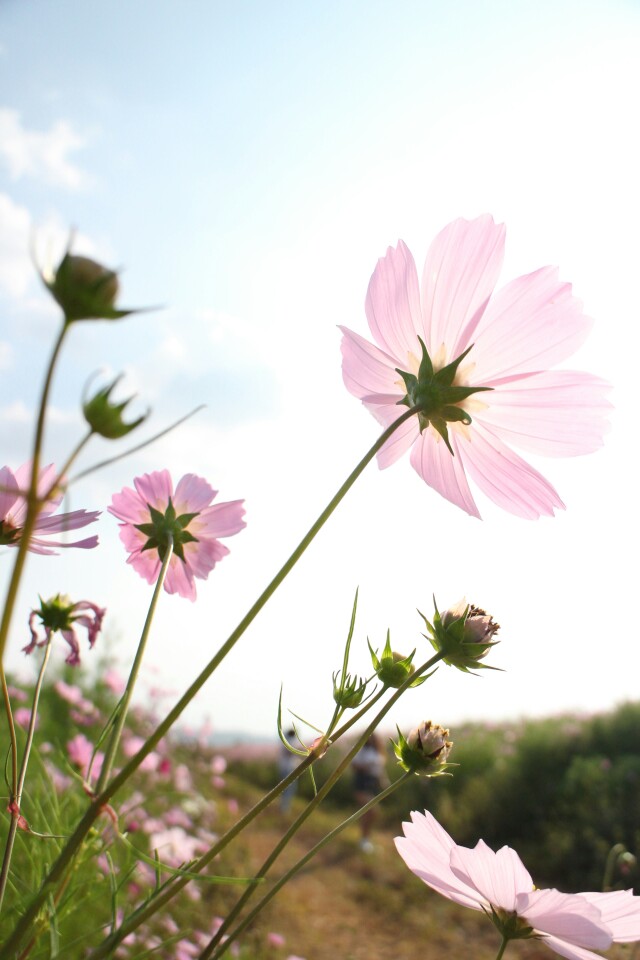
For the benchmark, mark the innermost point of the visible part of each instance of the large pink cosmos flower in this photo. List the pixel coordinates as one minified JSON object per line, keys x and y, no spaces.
{"x":152,"y":512}
{"x":13,"y":512}
{"x":477,"y":363}
{"x":500,"y":885}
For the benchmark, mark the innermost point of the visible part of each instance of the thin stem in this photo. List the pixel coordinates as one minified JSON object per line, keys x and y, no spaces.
{"x":94,"y":811}
{"x":12,"y":731}
{"x":311,"y":806}
{"x":305,"y":859}
{"x":16,"y":797}
{"x":503,"y":947}
{"x":123,"y":706}
{"x":174,"y":886}
{"x":33,"y":504}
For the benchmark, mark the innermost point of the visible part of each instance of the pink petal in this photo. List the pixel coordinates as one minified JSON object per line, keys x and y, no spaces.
{"x":565,"y":915}
{"x":620,"y":911}
{"x":366,"y":369}
{"x":129,"y":507}
{"x":155,"y":488}
{"x":460,"y":273}
{"x":498,"y":877}
{"x":426,"y":849}
{"x":220,"y":520}
{"x":66,"y":521}
{"x":400,"y":440}
{"x":505,"y":477}
{"x":180,"y":580}
{"x":532,"y":323}
{"x":392,"y":303}
{"x":42,"y":547}
{"x":8,"y":491}
{"x":202,"y":557}
{"x":192,"y":494}
{"x":441,"y":471}
{"x":147,"y":564}
{"x":569,"y":950}
{"x":556,"y":413}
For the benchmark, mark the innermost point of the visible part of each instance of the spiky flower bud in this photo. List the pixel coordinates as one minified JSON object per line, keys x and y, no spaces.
{"x":349,"y":692}
{"x":425,"y":751}
{"x":463,"y":634}
{"x":85,"y":289}
{"x":105,"y":416}
{"x":392,"y":669}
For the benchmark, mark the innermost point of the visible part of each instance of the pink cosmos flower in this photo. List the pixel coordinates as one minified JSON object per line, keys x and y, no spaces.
{"x":13,"y":512}
{"x":153,"y":512}
{"x":476,"y":362}
{"x":499,"y":884}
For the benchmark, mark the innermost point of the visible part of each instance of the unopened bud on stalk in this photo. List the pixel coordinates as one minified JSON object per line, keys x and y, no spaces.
{"x":463,"y":634}
{"x":349,"y":693}
{"x":85,"y":289}
{"x":425,"y":750}
{"x":392,"y":668}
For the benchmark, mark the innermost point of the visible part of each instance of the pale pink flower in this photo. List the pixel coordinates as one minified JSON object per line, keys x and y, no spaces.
{"x":275,"y":939}
{"x":80,"y":751}
{"x":513,"y":337}
{"x":153,"y":511}
{"x":22,"y":717}
{"x":13,"y":511}
{"x":500,"y":885}
{"x":175,"y":845}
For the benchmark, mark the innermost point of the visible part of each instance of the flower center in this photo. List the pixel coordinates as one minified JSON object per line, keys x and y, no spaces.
{"x":167,"y":529}
{"x":436,"y":394}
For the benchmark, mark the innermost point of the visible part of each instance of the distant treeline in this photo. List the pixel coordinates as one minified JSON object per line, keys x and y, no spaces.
{"x":561,"y":791}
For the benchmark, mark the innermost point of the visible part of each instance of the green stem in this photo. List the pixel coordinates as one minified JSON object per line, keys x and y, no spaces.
{"x":123,"y":706}
{"x":311,"y":806}
{"x":503,"y":947}
{"x":57,"y":870}
{"x":33,"y":504}
{"x":16,"y":796}
{"x":174,"y":886}
{"x":304,"y":860}
{"x":12,"y":731}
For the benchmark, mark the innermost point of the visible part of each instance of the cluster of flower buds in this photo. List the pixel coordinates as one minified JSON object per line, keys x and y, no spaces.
{"x":392,"y":669}
{"x":463,"y":635}
{"x":425,"y":751}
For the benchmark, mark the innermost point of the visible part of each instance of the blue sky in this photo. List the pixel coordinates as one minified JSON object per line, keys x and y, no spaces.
{"x":246,"y":164}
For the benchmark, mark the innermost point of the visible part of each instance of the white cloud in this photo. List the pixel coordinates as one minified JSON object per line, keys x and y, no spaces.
{"x":16,"y":269}
{"x":6,"y":355}
{"x":43,"y":155}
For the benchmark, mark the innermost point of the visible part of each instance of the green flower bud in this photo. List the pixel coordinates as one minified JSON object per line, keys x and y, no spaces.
{"x":463,"y":634}
{"x":392,"y":668}
{"x":349,"y":693}
{"x":84,"y":289}
{"x":105,"y":417}
{"x":425,"y":750}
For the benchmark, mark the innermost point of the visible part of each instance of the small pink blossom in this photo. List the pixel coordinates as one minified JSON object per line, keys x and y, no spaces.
{"x":175,"y":845}
{"x":499,"y":884}
{"x":80,"y":751}
{"x":13,"y":511}
{"x":22,"y":717}
{"x":477,"y":363}
{"x":114,"y":681}
{"x":154,"y":513}
{"x":275,"y":939}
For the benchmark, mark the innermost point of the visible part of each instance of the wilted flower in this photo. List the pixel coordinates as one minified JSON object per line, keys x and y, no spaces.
{"x":61,"y":615}
{"x":499,"y":885}
{"x":463,"y":634}
{"x":425,"y":751}
{"x":457,"y":351}
{"x":154,"y":516}
{"x":392,"y":669}
{"x":13,"y":511}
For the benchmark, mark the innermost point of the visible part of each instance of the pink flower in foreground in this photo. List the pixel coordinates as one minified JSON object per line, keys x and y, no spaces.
{"x":13,"y":512}
{"x":61,"y":615}
{"x":499,"y":884}
{"x":476,"y":362}
{"x":153,"y":513}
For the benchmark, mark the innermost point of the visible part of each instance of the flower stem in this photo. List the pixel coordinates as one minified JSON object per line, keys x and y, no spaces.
{"x":123,"y":706}
{"x":304,"y":860}
{"x":503,"y":947}
{"x":33,"y":504}
{"x":57,"y":870}
{"x":18,"y":784}
{"x":311,"y":806}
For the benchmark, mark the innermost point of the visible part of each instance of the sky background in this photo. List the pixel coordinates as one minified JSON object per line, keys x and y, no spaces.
{"x":245,"y":164}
